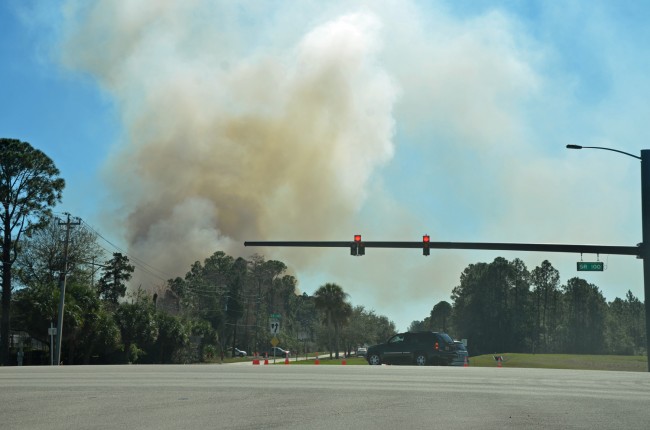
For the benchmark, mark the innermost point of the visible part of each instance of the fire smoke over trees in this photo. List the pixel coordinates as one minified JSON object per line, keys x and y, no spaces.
{"x":224,"y":141}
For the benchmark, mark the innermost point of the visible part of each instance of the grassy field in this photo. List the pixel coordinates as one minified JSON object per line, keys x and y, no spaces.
{"x":545,"y":361}
{"x":637,"y":363}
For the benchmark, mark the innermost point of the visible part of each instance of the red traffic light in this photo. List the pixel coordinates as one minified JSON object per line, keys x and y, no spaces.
{"x":425,"y":238}
{"x":357,"y":247}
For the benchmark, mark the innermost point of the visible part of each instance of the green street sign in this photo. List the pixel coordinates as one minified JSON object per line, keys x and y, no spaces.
{"x":274,"y":316}
{"x":594,"y":266}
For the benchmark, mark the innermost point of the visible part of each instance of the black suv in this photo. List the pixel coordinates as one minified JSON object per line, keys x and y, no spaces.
{"x":419,"y":348}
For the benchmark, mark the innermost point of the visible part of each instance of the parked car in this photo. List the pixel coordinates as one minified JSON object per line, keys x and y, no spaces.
{"x":462,"y":355}
{"x":236,"y":352}
{"x":421,"y":348}
{"x":361,"y":352}
{"x":276,"y":351}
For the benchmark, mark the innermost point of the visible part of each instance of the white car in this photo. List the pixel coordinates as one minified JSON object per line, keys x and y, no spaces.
{"x":239,"y":353}
{"x":361,"y":352}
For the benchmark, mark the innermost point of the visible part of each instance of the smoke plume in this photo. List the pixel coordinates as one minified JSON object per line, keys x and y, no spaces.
{"x":226,"y":140}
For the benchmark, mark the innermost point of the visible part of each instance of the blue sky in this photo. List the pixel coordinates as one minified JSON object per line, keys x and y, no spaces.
{"x":182,"y":128}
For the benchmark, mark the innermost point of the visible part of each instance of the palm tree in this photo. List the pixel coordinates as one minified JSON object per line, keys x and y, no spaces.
{"x":331,"y":300}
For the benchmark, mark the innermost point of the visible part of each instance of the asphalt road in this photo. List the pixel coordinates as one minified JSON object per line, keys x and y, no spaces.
{"x":319,"y":397}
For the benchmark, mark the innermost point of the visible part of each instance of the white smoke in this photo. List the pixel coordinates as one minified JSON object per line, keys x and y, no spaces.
{"x":224,"y":142}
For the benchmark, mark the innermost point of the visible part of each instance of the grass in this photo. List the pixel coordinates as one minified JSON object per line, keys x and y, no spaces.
{"x":638,"y":363}
{"x":541,"y":361}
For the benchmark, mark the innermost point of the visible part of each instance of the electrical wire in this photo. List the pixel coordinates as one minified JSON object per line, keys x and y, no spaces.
{"x":139,"y":263}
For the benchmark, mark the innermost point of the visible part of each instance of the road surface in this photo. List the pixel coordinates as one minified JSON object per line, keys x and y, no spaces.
{"x":319,"y":397}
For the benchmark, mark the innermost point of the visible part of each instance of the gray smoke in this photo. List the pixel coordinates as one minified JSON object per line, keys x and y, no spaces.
{"x":225,"y":141}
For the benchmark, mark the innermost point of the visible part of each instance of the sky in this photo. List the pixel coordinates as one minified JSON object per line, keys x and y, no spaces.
{"x":187,"y":127}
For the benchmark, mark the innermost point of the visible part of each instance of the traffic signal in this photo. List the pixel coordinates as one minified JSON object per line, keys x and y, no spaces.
{"x":357,"y":247}
{"x":425,"y":244}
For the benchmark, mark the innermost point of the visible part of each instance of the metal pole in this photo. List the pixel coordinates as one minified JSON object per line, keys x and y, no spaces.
{"x":644,"y":249}
{"x":645,"y":246}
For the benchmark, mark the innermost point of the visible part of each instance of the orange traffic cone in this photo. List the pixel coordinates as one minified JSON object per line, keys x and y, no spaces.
{"x":465,"y":364}
{"x":343,"y":362}
{"x":316,"y":361}
{"x":286,"y":359}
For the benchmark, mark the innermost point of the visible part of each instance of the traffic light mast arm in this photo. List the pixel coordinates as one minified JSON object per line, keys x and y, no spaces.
{"x":539,"y":247}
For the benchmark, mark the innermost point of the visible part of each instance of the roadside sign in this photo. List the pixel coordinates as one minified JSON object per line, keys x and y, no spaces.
{"x":594,"y":266}
{"x":274,"y":327}
{"x":51,"y":331}
{"x":275,"y":341}
{"x":276,"y":316}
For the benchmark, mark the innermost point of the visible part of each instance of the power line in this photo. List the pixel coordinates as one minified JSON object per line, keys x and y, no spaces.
{"x":141,"y":264}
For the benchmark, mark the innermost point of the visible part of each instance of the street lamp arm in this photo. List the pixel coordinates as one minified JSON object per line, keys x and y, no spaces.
{"x":601,"y":147}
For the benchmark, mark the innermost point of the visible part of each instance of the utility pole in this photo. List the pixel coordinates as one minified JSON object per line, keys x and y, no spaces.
{"x":62,"y":278}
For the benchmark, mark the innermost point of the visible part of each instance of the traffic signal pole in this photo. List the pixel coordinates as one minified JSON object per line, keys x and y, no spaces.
{"x":497,"y":246}
{"x":645,"y":227}
{"x":640,"y":251}
{"x":645,"y":246}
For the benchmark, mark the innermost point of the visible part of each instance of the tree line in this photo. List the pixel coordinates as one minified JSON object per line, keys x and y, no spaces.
{"x":503,"y":307}
{"x":222,"y":303}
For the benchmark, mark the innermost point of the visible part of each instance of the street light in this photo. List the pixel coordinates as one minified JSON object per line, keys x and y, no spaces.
{"x":644,"y":247}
